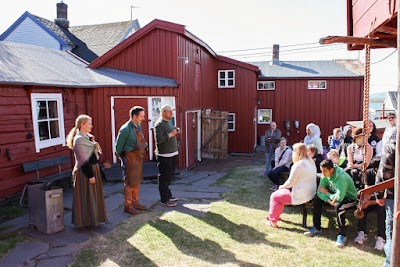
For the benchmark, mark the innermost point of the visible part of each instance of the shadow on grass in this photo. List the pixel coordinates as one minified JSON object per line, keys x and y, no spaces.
{"x":189,"y":244}
{"x":91,"y":258}
{"x":240,"y":232}
{"x":120,"y":252}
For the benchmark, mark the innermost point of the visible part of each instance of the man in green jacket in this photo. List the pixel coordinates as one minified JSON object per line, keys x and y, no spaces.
{"x":131,"y":147}
{"x":336,"y":188}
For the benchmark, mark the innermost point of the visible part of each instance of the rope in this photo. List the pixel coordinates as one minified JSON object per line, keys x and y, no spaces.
{"x":367,"y":77}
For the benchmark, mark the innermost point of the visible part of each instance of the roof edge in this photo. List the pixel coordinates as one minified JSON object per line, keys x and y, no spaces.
{"x":239,"y":63}
{"x":36,"y":21}
{"x":159,"y":24}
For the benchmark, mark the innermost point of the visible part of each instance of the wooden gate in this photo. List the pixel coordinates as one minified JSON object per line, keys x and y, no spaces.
{"x":121,"y":113}
{"x":214,"y":128}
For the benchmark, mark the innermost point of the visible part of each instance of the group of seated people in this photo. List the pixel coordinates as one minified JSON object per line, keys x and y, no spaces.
{"x":341,"y":177}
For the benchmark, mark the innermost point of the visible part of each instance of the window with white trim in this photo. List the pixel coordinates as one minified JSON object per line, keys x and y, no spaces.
{"x":231,"y":122}
{"x":266,"y":85}
{"x":48,"y":120}
{"x":264,"y":115}
{"x":226,"y":79}
{"x":316,"y":84}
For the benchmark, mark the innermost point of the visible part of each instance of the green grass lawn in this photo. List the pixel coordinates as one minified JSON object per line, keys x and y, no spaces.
{"x":232,"y":233}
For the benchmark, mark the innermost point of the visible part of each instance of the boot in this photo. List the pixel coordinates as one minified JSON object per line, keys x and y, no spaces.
{"x":130,"y":210}
{"x":137,"y":206}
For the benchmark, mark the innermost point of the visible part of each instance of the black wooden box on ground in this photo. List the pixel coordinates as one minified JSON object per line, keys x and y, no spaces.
{"x":46,"y":209}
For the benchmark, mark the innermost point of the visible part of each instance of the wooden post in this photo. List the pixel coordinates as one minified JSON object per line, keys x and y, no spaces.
{"x":395,"y":261}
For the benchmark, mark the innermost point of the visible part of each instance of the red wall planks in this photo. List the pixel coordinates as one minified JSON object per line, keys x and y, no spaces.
{"x":330,"y":108}
{"x":15,"y":125}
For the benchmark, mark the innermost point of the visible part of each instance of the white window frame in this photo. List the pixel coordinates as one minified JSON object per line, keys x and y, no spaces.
{"x":317,"y":87}
{"x":261,"y":112}
{"x":266,"y":85}
{"x":226,"y":79}
{"x":35,"y":97}
{"x":233,"y":122}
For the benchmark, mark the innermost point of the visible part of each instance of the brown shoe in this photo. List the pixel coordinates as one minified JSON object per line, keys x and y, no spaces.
{"x":139,"y":207}
{"x":130,"y":210}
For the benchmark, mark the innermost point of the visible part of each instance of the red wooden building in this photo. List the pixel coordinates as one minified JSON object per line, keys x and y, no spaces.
{"x":206,"y":81}
{"x":42,"y":91}
{"x":327,"y":93}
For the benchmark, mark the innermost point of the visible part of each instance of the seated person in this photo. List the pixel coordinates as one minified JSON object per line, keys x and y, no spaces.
{"x":355,"y":156}
{"x":348,"y":139}
{"x":374,"y":140}
{"x":334,"y":156}
{"x":336,"y":188}
{"x":299,"y":188}
{"x":312,"y":152}
{"x":283,"y":159}
{"x":380,"y":210}
{"x":336,"y":139}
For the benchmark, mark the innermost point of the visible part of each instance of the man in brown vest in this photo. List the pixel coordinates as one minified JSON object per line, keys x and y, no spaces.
{"x":130,"y":147}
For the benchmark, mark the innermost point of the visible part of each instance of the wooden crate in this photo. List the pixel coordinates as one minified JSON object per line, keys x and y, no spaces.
{"x":46,"y":209}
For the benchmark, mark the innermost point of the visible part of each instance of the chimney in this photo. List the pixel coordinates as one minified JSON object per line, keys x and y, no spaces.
{"x":275,"y":55}
{"x":62,"y":15}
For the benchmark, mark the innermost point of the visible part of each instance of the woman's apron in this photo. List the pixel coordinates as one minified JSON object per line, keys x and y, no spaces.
{"x":134,"y":160}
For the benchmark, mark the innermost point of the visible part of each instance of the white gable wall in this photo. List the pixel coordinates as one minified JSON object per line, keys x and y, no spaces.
{"x":388,"y":103}
{"x":28,"y":32}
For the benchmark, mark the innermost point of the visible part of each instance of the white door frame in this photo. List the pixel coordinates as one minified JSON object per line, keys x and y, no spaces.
{"x":198,"y":111}
{"x":255,"y":127}
{"x":149,"y":113}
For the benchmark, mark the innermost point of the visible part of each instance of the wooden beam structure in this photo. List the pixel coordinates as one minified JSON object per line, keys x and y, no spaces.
{"x":351,"y":40}
{"x":388,"y":29}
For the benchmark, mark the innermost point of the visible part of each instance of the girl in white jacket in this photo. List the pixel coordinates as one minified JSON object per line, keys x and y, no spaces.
{"x":299,"y":188}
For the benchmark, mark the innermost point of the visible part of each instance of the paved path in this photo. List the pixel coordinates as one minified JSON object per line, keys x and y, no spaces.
{"x":193,"y":188}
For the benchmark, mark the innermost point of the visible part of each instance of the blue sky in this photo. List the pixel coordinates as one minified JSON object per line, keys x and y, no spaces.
{"x":228,"y":25}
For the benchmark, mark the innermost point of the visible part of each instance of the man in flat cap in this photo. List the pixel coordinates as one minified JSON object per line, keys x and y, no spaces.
{"x":166,"y":152}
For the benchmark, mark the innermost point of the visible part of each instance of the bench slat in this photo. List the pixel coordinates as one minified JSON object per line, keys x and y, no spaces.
{"x":41,"y":164}
{"x":52,"y":178}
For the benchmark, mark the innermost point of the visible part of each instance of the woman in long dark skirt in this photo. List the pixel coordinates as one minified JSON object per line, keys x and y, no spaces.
{"x":88,"y":208}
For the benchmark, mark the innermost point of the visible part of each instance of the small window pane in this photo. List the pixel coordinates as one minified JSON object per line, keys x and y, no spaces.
{"x":230,"y":126}
{"x":230,"y":82}
{"x":53,"y":111}
{"x":44,"y":131}
{"x":42,"y":110}
{"x":54,"y":129}
{"x":230,"y":117}
{"x":222,"y":75}
{"x":222,"y":82}
{"x":230,"y":74}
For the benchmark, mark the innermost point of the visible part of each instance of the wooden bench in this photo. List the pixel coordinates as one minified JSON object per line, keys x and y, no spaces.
{"x":42,"y":164}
